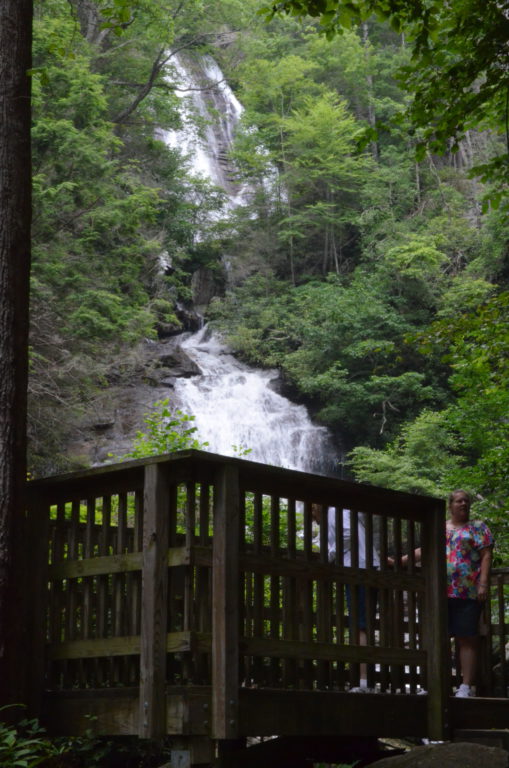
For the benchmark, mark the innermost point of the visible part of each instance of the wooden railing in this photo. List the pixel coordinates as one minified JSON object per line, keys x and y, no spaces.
{"x":197,"y":570}
{"x":494,"y":672}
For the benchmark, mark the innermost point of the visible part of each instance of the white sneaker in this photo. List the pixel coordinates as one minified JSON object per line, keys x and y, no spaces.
{"x":362,"y":689}
{"x":464,"y":692}
{"x":422,"y":692}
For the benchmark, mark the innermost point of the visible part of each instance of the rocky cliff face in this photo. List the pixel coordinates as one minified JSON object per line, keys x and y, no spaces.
{"x":118,"y":412}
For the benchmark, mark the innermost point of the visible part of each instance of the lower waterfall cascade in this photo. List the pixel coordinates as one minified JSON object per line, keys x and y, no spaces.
{"x":236,"y":408}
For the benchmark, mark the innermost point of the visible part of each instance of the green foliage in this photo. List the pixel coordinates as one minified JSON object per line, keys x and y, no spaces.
{"x":339,"y":343}
{"x":467,"y":444}
{"x":24,"y":745}
{"x":322,"y":176}
{"x":168,"y":430}
{"x":419,"y":460}
{"x":456,"y":76}
{"x":465,"y":292}
{"x":477,"y":349}
{"x":109,"y":199}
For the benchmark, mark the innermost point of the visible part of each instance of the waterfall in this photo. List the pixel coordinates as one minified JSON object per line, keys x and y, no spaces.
{"x":209,"y":113}
{"x":235,"y":407}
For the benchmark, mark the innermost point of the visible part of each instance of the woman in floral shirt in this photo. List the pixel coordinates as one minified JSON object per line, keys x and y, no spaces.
{"x":469,"y":544}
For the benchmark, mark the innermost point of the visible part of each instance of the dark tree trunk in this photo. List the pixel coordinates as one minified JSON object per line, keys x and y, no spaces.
{"x":15,"y":214}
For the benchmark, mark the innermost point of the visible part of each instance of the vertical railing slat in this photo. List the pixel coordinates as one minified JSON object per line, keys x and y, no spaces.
{"x":275,"y":614}
{"x":435,"y":637}
{"x":323,"y":609}
{"x":258,"y":586}
{"x":290,"y":619}
{"x":339,"y":602}
{"x":398,"y":630}
{"x":502,"y":633}
{"x":225,"y":605}
{"x":37,"y":555}
{"x":384,"y":601}
{"x":306,"y":596}
{"x":152,"y":716}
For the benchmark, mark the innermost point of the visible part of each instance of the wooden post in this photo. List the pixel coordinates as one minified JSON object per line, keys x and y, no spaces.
{"x":435,"y":623}
{"x":154,"y":611}
{"x":37,"y":591}
{"x":225,"y":601}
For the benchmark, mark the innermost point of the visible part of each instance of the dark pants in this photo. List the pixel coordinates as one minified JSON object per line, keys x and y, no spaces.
{"x":361,"y":604}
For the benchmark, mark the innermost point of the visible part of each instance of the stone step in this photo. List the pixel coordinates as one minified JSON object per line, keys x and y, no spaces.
{"x":489,"y":737}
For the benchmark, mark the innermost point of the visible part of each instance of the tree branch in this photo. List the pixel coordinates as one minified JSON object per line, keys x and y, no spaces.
{"x":157,"y":67}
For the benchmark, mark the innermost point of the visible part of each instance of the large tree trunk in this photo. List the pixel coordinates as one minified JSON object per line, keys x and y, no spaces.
{"x":15,"y":215}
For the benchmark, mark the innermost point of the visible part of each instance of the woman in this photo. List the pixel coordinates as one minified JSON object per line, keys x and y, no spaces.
{"x":469,"y":546}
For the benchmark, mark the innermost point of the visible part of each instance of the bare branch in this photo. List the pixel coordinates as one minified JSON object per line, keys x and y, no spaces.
{"x":169,"y":86}
{"x":157,"y":67}
{"x":145,"y":89}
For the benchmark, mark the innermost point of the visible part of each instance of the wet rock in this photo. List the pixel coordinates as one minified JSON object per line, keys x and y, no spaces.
{"x":169,"y":382}
{"x":203,"y":287}
{"x":167,"y":330}
{"x":176,"y":363}
{"x":110,"y":425}
{"x":189,"y":318}
{"x":104,"y":424}
{"x":276,"y":385}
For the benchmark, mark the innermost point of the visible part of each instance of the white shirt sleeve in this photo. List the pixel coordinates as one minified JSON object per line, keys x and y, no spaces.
{"x":347,"y":540}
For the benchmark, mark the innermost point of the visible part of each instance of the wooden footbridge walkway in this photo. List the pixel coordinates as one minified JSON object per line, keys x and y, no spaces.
{"x":190,"y":596}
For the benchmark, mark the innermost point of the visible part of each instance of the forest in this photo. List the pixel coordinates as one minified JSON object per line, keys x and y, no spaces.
{"x":370,"y":265}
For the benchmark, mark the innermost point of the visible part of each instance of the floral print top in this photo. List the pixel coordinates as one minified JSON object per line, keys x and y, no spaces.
{"x":464,"y":559}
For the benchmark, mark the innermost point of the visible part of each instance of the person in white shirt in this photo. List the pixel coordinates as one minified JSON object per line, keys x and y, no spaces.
{"x":347,"y":562}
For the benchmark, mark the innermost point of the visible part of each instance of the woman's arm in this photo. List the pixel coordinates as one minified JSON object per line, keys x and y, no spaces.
{"x":404,"y":558}
{"x":417,"y":557}
{"x":484,"y":577}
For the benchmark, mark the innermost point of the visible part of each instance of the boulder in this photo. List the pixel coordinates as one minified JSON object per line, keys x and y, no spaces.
{"x":167,"y":330}
{"x":203,"y":287}
{"x":177,"y":363}
{"x":448,"y":755}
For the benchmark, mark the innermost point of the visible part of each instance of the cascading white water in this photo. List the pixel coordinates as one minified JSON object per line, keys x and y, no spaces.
{"x":235,"y":407}
{"x":207,"y":99}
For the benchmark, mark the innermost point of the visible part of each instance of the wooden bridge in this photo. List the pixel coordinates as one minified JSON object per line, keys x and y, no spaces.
{"x":190,"y":596}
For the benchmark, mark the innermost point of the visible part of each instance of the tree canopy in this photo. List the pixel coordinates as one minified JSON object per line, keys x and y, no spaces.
{"x":457,"y":76}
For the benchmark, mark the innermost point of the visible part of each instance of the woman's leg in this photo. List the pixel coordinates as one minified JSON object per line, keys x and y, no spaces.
{"x":468,"y":658}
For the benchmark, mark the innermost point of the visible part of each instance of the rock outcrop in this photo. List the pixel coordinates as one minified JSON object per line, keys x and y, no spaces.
{"x":109,"y":427}
{"x":449,"y":755}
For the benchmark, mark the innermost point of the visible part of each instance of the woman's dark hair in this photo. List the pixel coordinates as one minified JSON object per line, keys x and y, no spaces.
{"x":454,"y":493}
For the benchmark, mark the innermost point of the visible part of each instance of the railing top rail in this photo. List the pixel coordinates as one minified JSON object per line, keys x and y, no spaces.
{"x":253,"y":476}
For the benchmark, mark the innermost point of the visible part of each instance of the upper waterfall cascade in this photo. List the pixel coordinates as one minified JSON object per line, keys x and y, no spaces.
{"x":235,"y":407}
{"x":207,"y":99}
